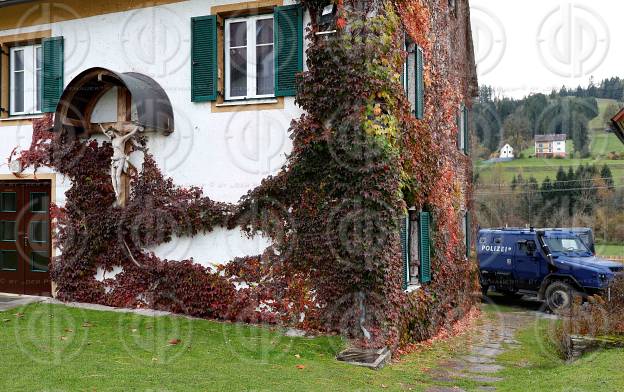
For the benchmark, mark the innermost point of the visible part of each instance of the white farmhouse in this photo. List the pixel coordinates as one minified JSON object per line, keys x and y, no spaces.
{"x":507,"y":152}
{"x":550,"y":146}
{"x":209,"y":84}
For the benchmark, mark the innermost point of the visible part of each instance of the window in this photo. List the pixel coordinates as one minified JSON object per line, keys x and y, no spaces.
{"x":39,"y":262}
{"x":25,"y":63}
{"x":39,"y":202}
{"x":452,"y":6}
{"x":249,"y":57}
{"x":8,"y":202}
{"x":466,"y":230}
{"x":261,"y":54}
{"x":8,"y":260}
{"x":462,"y":129}
{"x":412,"y":78}
{"x":415,"y":249}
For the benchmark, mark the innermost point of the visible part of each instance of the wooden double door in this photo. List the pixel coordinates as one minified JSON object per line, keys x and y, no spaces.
{"x":25,"y":237}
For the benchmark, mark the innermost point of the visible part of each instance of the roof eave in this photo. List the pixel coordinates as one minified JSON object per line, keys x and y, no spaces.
{"x":7,"y":3}
{"x":618,"y":125}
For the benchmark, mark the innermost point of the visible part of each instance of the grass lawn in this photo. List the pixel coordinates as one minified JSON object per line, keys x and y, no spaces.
{"x":597,"y":123}
{"x":610,"y":249}
{"x":535,"y":366}
{"x":542,"y":168}
{"x":47,"y":347}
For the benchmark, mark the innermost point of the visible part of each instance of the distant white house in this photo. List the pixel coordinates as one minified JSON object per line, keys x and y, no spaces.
{"x":549,"y":146}
{"x":507,"y":152}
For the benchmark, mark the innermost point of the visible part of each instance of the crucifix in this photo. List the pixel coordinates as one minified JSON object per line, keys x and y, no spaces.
{"x":119,"y":160}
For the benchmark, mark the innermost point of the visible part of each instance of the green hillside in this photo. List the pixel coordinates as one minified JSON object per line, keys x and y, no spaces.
{"x":602,"y":143}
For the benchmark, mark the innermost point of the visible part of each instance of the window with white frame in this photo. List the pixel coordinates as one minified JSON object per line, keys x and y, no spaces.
{"x":414,"y":249}
{"x":462,"y":128}
{"x":25,"y":63}
{"x":249,"y":61}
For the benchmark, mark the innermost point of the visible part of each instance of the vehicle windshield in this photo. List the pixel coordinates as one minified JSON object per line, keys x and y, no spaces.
{"x":567,"y":245}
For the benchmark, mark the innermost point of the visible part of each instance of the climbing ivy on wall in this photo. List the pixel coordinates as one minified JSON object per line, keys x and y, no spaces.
{"x":359,"y":159}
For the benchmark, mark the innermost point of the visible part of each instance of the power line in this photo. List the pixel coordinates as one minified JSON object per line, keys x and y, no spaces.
{"x":547,"y":191}
{"x":504,"y":184}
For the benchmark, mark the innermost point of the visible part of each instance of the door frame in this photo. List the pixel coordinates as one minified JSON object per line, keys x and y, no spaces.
{"x":48,"y":177}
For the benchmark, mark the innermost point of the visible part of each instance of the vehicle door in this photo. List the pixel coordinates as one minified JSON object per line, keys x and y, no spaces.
{"x":527,"y":264}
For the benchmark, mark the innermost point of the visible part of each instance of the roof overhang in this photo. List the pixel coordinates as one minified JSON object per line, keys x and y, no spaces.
{"x":6,"y":3}
{"x":618,"y":124}
{"x":152,"y":105}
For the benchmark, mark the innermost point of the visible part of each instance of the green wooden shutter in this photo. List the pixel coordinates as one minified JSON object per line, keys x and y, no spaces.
{"x":204,"y":58}
{"x":52,"y":73}
{"x":405,"y":249}
{"x":420,"y":84}
{"x":425,"y":247}
{"x":288,"y":31}
{"x":466,"y":132}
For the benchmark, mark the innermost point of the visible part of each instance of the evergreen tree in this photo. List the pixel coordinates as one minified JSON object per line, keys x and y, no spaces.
{"x":607,"y":176}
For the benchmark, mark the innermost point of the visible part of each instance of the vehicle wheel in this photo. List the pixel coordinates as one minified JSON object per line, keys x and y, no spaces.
{"x":560,"y":296}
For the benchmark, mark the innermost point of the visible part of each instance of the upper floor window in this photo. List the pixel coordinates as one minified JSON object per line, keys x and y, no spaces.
{"x":462,"y":129}
{"x":25,"y":63}
{"x":249,"y":57}
{"x":412,"y":78}
{"x":260,"y":54}
{"x":453,"y":6}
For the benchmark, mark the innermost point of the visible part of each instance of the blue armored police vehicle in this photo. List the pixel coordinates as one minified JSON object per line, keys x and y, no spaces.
{"x":555,"y":264}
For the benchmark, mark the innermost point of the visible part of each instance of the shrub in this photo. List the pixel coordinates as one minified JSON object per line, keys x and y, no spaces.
{"x":596,"y":317}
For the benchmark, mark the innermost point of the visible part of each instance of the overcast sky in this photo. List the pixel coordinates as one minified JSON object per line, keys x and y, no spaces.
{"x":535,"y":45}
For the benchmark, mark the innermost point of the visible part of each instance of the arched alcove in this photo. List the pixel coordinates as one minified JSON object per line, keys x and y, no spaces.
{"x":134,"y":99}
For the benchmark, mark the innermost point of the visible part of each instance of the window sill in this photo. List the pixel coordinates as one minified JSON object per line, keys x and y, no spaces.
{"x":22,"y":117}
{"x":412,"y":287}
{"x":247,"y":102}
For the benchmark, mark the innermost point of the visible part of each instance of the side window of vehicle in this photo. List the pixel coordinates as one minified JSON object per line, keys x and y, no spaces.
{"x":498,"y":241}
{"x":483,"y":240}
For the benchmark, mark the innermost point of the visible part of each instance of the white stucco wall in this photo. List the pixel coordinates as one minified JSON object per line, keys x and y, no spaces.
{"x":226,"y":154}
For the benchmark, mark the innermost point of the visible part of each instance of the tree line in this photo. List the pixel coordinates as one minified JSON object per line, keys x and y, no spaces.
{"x":611,"y":88}
{"x":581,"y":196}
{"x":499,"y":120}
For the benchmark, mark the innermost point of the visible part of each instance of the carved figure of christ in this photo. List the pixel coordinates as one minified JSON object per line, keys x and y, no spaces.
{"x":119,"y":160}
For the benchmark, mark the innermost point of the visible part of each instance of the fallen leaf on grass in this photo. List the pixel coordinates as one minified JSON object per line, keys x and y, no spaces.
{"x":297,"y":356}
{"x":384,"y":386}
{"x":87,"y":324}
{"x":19,"y":314}
{"x":68,"y":330}
{"x":300,"y":367}
{"x":6,"y":320}
{"x":173,"y":342}
{"x":63,"y":338}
